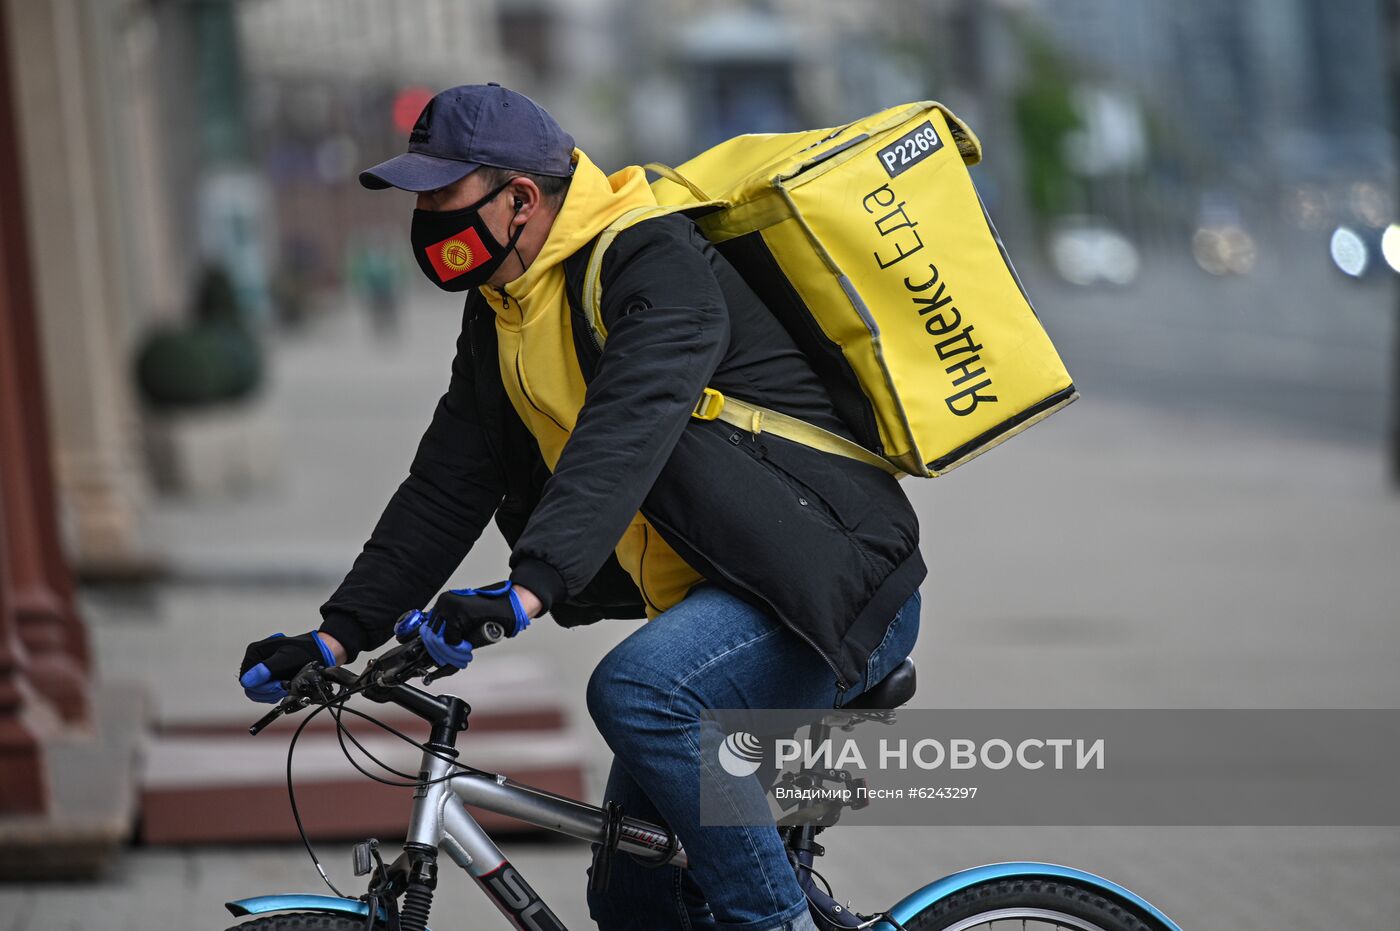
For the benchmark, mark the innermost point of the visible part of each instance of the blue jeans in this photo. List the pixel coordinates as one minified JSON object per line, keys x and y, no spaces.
{"x":710,"y":651}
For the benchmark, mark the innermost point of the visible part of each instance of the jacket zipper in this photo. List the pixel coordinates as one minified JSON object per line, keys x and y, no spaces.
{"x":471,"y":350}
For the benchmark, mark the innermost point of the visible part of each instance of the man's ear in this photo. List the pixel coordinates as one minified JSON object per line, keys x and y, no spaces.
{"x":525,"y":198}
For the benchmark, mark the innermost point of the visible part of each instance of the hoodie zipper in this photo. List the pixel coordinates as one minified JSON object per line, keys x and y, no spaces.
{"x":519,"y":377}
{"x":520,"y":380}
{"x":642,"y":570}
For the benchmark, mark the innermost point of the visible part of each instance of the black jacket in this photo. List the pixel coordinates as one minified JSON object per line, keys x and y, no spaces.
{"x":826,"y":544}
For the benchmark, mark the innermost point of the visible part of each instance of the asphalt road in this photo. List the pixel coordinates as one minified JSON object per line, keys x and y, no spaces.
{"x":1295,"y":345}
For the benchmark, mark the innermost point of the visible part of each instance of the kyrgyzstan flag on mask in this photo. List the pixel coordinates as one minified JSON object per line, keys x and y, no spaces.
{"x":457,"y":254}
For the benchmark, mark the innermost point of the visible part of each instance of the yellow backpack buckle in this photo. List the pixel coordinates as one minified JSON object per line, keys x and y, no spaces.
{"x":708,"y":407}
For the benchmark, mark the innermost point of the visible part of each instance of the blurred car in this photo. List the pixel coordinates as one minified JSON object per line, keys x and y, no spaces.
{"x":1087,"y":251}
{"x":1221,"y":244}
{"x":1225,"y":249}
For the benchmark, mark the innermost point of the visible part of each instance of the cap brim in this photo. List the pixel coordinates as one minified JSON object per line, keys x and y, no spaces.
{"x":413,"y":171}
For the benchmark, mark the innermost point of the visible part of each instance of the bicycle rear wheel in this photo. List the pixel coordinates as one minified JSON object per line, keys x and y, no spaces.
{"x":302,"y":921}
{"x":1037,"y":904}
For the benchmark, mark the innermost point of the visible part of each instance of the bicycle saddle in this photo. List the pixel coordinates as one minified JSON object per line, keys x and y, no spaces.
{"x":890,"y":692}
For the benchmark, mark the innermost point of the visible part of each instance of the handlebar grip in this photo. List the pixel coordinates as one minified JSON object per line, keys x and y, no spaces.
{"x":339,"y":675}
{"x":485,"y":633}
{"x":265,"y":720}
{"x":480,"y":633}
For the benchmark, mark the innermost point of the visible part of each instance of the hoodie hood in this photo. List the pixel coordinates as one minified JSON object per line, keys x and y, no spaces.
{"x":539,"y":365}
{"x":594,"y":200}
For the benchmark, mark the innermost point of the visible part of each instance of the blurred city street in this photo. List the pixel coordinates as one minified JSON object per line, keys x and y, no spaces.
{"x":1127,"y":555}
{"x":217,"y":356}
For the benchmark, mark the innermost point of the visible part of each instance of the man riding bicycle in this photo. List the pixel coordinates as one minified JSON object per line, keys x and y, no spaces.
{"x":773,"y":575}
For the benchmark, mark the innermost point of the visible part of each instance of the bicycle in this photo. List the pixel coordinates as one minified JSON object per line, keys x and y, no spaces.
{"x":399,"y":894}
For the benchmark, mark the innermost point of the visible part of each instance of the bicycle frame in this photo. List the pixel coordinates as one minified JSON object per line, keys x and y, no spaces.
{"x":441,"y":820}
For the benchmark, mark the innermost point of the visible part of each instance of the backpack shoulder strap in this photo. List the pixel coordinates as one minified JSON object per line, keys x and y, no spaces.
{"x":716,"y":406}
{"x":712,"y":405}
{"x":593,"y":273}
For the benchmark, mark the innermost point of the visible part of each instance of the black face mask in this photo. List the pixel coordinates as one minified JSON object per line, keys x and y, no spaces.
{"x":455,"y":248}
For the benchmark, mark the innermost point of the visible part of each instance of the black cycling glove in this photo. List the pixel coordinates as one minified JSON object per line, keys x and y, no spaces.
{"x":269,"y":663}
{"x":458,"y":613}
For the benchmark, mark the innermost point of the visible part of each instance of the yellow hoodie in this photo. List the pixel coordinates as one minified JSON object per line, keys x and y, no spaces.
{"x":539,"y":366}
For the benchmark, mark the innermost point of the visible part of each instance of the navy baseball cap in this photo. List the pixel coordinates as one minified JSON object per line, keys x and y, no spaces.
{"x":466,"y":127}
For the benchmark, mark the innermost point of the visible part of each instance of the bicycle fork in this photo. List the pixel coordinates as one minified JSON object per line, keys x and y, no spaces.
{"x":441,"y":821}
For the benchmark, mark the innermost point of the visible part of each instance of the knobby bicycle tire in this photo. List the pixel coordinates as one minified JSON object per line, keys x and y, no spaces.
{"x":303,"y":921}
{"x":1059,"y":898}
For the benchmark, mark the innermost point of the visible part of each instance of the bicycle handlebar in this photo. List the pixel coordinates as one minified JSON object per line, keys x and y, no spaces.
{"x":384,"y":679}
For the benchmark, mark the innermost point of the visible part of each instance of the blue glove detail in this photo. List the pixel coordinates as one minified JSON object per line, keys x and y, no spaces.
{"x":442,"y":652}
{"x":258,"y":685}
{"x":327,"y":657}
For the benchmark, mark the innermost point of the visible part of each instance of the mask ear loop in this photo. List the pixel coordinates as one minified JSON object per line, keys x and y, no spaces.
{"x":516,"y":237}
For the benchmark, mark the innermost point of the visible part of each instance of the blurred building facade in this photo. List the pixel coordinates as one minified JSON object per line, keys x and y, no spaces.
{"x":1294,"y":88}
{"x":45,"y":668}
{"x":163,"y":134}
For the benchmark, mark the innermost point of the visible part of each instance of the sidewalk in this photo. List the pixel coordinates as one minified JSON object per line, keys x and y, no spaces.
{"x":1117,"y":556}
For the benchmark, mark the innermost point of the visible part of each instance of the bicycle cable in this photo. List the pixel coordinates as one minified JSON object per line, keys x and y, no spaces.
{"x":292,"y":798}
{"x":465,"y":769}
{"x":868,"y":921}
{"x":336,"y":706}
{"x":342,"y":732}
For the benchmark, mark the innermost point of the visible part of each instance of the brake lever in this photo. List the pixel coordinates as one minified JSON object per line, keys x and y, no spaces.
{"x":404,"y":663}
{"x":309,"y":684}
{"x":286,"y":706}
{"x":441,"y":672}
{"x":304,"y":688}
{"x":411,"y":659}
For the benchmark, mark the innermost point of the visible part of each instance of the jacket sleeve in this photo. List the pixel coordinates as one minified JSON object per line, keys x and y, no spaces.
{"x":453,"y":487}
{"x":668,"y":329}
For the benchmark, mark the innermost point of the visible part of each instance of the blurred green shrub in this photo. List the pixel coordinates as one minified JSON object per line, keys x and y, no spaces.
{"x":1045,"y":115}
{"x":214,"y":358}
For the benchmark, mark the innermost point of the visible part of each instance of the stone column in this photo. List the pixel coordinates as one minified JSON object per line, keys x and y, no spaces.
{"x":28,"y":611}
{"x":39,"y":597}
{"x":84,"y":222}
{"x":23,"y":778}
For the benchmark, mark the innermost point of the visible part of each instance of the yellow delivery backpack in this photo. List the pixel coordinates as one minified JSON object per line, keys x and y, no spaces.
{"x":871,"y":245}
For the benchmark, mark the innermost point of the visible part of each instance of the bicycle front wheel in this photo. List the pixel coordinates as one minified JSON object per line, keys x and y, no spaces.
{"x":303,"y":921}
{"x":1032,"y":905}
